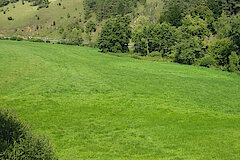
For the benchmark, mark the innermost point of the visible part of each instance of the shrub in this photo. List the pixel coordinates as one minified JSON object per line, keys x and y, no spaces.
{"x":233,"y":62}
{"x":61,"y":30}
{"x":19,"y":39}
{"x":236,"y":31}
{"x":156,"y":54}
{"x":221,"y":50}
{"x":35,"y":40}
{"x":207,"y":61}
{"x":143,"y":47}
{"x":18,"y":142}
{"x":70,"y":42}
{"x":68,"y":15}
{"x":13,"y":38}
{"x":10,"y":19}
{"x":188,"y":51}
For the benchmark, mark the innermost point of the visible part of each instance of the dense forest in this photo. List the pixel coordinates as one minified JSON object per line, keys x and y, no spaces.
{"x":205,"y":32}
{"x":108,"y":8}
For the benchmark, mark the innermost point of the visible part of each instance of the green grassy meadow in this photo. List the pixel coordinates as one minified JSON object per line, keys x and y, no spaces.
{"x":98,"y":106}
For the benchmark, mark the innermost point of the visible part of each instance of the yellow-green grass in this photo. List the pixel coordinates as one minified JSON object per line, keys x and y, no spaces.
{"x":97,"y":106}
{"x":25,"y":18}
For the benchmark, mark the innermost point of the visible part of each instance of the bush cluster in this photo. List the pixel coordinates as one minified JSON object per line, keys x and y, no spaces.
{"x":35,"y":40}
{"x":16,"y":38}
{"x":18,"y":142}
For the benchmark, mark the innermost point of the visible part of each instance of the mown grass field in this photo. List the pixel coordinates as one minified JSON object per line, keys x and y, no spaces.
{"x":97,"y":106}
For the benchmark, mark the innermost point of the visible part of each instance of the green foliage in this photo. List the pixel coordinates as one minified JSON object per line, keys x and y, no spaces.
{"x":231,"y":6}
{"x":228,"y":6}
{"x":61,"y":30}
{"x":162,"y":38}
{"x":173,"y":12}
{"x":221,"y":50}
{"x":90,"y":27}
{"x":216,"y":6}
{"x":150,"y":38}
{"x":10,"y":18}
{"x":156,"y":54}
{"x":35,"y":40}
{"x":197,"y":22}
{"x":234,"y":62}
{"x":68,"y":15}
{"x":188,"y":51}
{"x":76,"y":36}
{"x":40,"y":3}
{"x":140,"y":36}
{"x":115,"y":35}
{"x":176,"y":10}
{"x":195,"y":26}
{"x":223,"y":26}
{"x":107,"y":8}
{"x":207,"y":61}
{"x":19,"y":39}
{"x":16,"y":38}
{"x":11,"y":129}
{"x":205,"y":14}
{"x":228,"y":27}
{"x":235,"y":34}
{"x":143,"y":47}
{"x":18,"y":142}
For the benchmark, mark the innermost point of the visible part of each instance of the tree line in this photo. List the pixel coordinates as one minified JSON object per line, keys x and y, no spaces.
{"x":203,"y":32}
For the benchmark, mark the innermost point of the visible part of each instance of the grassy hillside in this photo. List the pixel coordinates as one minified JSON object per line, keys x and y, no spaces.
{"x":26,"y":18}
{"x":29,"y":21}
{"x":97,"y":106}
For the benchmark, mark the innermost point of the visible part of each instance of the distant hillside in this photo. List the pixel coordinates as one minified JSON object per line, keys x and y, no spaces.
{"x":39,"y":3}
{"x":61,"y":16}
{"x":108,"y":8}
{"x":58,"y":18}
{"x":29,"y":20}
